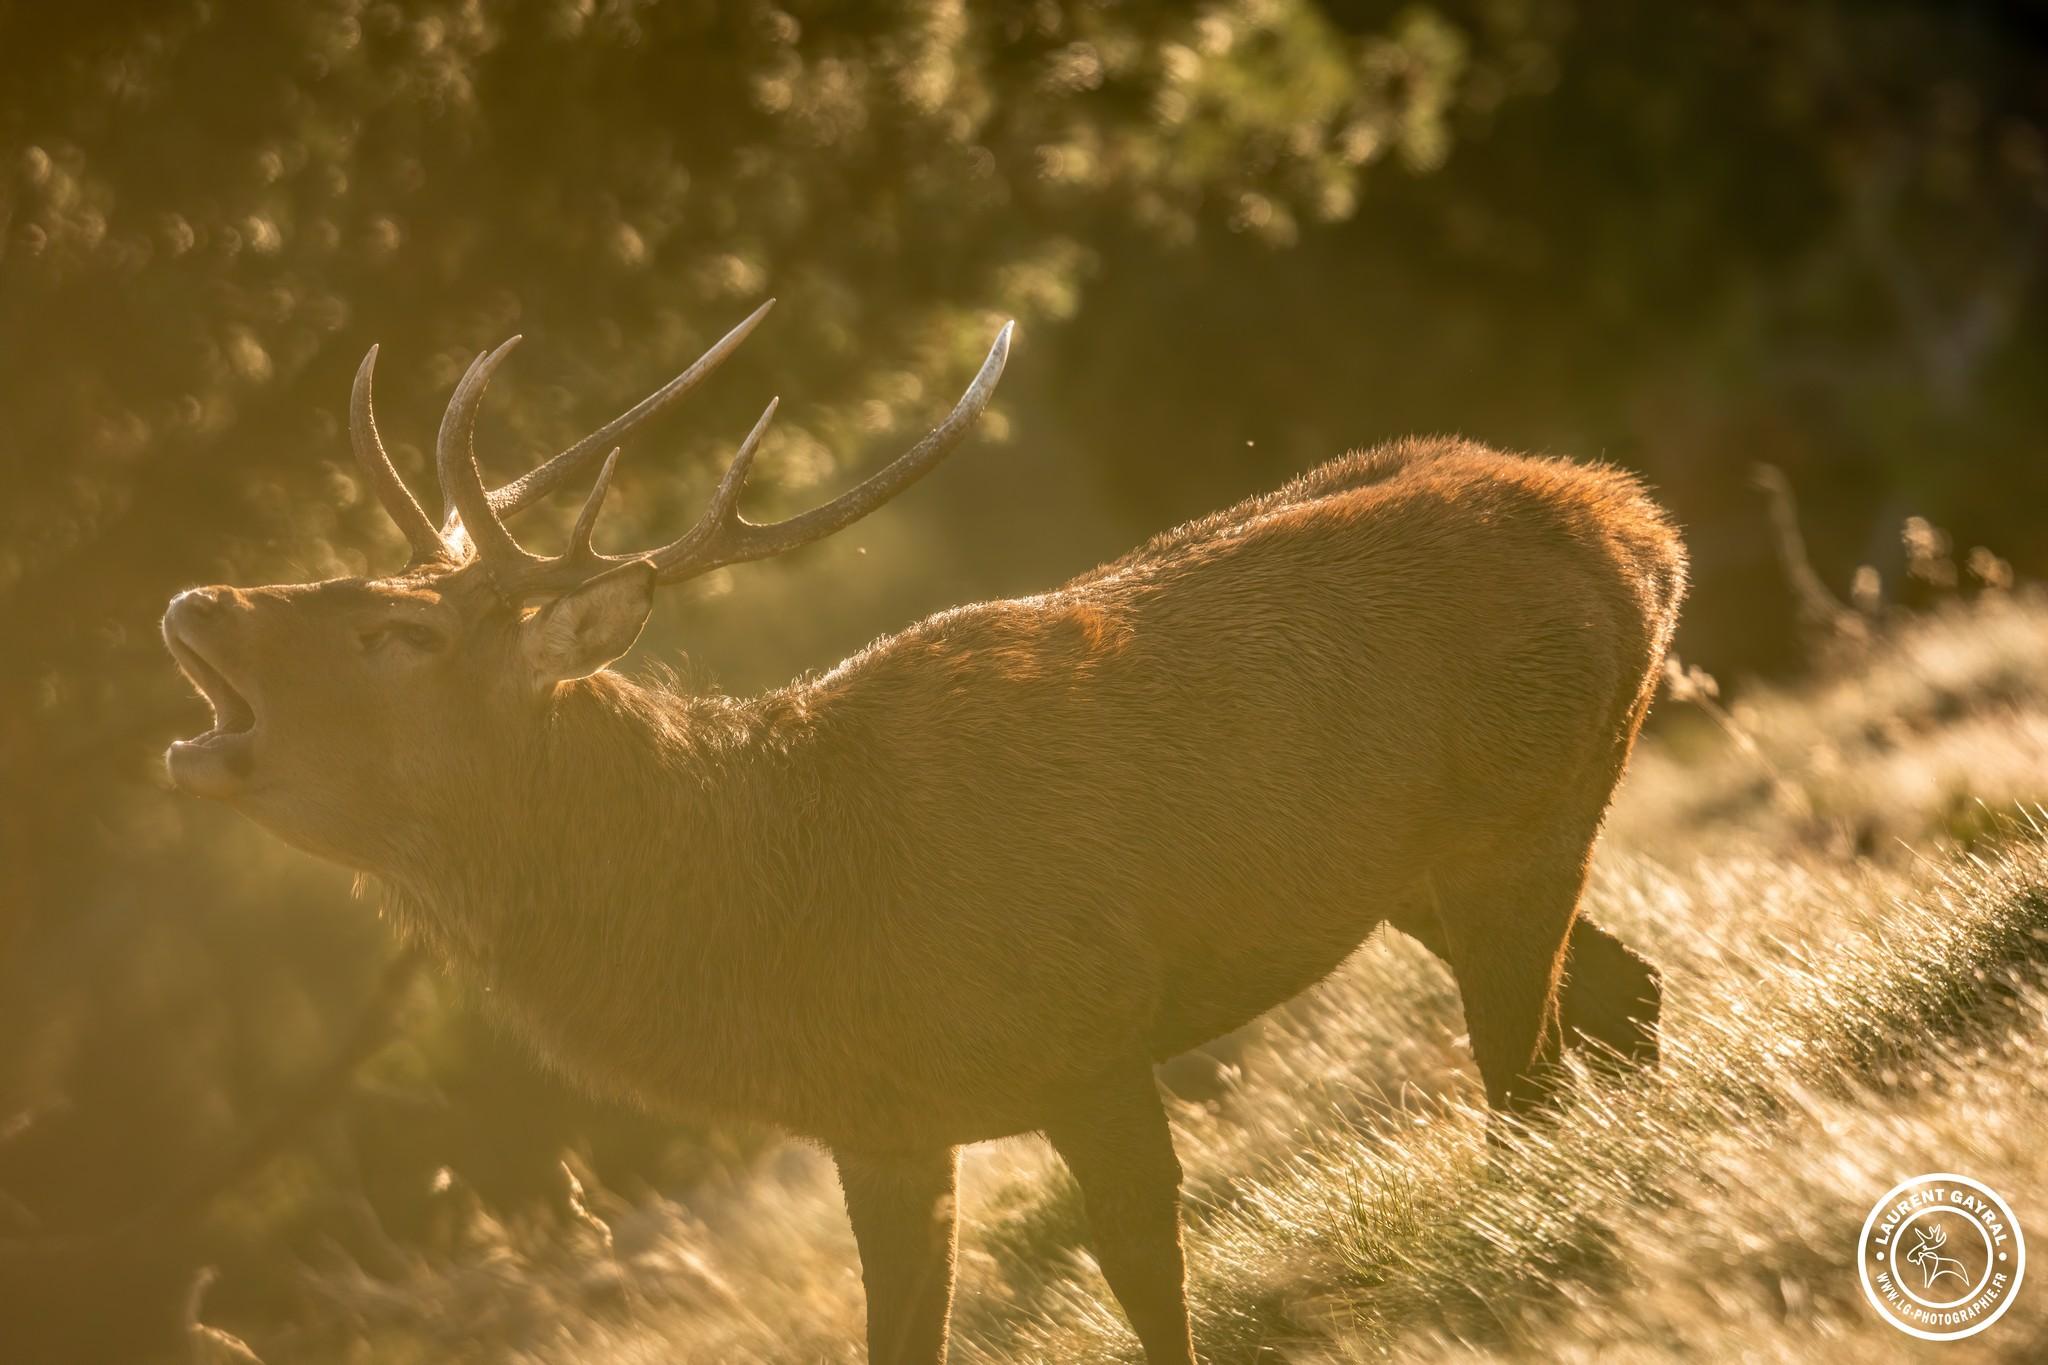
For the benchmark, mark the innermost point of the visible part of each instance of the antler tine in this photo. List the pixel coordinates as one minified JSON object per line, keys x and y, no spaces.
{"x":722,"y":536}
{"x":517,"y":572}
{"x":586,"y":520}
{"x":543,"y":479}
{"x":391,"y":491}
{"x":532,"y":575}
{"x":681,"y":557}
{"x":462,"y":484}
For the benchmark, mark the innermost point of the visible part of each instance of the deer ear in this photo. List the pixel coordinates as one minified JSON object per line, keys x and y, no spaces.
{"x":582,"y":631}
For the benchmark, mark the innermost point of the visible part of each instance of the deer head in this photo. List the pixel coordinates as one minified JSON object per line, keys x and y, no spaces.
{"x":1926,"y":1244}
{"x":347,"y":711}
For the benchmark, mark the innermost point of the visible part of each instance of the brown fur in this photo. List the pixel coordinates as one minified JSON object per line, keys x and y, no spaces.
{"x":975,"y":879}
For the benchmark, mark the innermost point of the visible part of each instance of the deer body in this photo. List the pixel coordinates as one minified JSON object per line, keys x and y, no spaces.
{"x":976,"y":879}
{"x":1001,"y":849}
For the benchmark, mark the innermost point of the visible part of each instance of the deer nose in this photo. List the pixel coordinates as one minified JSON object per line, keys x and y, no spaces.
{"x":198,"y":605}
{"x":209,"y":601}
{"x":197,"y":602}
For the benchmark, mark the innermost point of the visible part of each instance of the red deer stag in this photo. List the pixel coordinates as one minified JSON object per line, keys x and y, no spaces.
{"x":977,"y":879}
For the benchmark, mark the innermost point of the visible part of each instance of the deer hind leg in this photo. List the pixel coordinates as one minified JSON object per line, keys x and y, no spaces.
{"x":904,"y":1218}
{"x":1503,"y":930}
{"x":1611,"y":996}
{"x":1114,"y":1138}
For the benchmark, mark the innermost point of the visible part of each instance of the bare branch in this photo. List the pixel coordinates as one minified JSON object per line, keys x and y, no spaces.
{"x":1819,"y":609}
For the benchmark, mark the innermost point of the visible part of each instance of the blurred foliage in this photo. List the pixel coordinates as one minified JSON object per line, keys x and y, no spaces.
{"x":1240,"y":236}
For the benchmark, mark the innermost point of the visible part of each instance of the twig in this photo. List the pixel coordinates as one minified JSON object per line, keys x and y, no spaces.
{"x":1820,"y":611}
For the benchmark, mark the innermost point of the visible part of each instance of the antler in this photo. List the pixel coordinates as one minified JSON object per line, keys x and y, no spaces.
{"x":721,"y":536}
{"x":427,"y":544}
{"x":430,"y":543}
{"x":537,"y":483}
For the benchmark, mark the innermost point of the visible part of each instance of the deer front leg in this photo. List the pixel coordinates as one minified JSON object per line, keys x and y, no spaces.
{"x":903,"y":1213}
{"x":1114,"y":1137}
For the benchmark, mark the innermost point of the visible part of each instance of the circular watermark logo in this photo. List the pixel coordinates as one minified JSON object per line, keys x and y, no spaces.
{"x":1941,"y":1256}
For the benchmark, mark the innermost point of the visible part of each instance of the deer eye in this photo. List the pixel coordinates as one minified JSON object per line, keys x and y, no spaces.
{"x":425,"y":639}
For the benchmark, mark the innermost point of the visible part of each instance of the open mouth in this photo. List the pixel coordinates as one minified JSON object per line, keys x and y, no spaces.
{"x":232,"y":713}
{"x":219,"y":761}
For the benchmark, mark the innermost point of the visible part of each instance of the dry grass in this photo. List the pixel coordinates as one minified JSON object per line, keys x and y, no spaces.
{"x":1853,"y":947}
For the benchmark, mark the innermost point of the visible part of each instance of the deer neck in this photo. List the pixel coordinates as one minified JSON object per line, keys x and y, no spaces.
{"x":626,"y":879}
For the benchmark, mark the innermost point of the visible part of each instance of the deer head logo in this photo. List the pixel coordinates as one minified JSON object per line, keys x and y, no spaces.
{"x":1926,"y":1253}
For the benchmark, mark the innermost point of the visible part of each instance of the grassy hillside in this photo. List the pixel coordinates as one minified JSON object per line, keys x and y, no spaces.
{"x":1850,"y":899}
